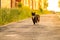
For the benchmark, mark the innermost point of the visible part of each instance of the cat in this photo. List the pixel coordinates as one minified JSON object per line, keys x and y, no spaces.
{"x":35,"y":18}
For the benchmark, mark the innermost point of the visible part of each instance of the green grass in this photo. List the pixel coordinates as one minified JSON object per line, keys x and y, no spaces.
{"x":14,"y":15}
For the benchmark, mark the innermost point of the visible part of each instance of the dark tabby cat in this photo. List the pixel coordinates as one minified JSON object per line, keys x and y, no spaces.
{"x":35,"y":18}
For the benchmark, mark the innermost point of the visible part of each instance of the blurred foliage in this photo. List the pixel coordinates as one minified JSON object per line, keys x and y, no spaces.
{"x":14,"y":15}
{"x":19,"y":4}
{"x":59,"y":3}
{"x":45,"y":4}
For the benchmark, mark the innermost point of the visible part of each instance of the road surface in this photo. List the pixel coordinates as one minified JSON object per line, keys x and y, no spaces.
{"x":47,"y":29}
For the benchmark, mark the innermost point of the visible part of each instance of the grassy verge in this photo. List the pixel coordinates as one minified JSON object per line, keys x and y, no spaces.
{"x":13,"y":15}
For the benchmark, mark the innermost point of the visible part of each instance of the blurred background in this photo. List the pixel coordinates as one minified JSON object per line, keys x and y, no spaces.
{"x":15,"y":10}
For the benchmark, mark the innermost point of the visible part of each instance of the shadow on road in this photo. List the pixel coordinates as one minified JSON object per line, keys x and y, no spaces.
{"x":33,"y":26}
{"x":3,"y":29}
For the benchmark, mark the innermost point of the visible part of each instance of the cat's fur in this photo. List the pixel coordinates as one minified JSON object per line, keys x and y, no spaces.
{"x":35,"y":18}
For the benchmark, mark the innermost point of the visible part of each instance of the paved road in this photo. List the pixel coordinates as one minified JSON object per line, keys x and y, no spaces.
{"x":47,"y":29}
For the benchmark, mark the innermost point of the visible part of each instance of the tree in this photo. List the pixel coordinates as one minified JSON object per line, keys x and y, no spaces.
{"x":45,"y":4}
{"x":59,"y":3}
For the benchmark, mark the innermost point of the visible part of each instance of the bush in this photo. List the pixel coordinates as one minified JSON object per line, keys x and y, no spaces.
{"x":19,"y":4}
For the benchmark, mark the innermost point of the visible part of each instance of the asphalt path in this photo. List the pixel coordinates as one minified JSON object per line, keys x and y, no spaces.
{"x":47,"y":29}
